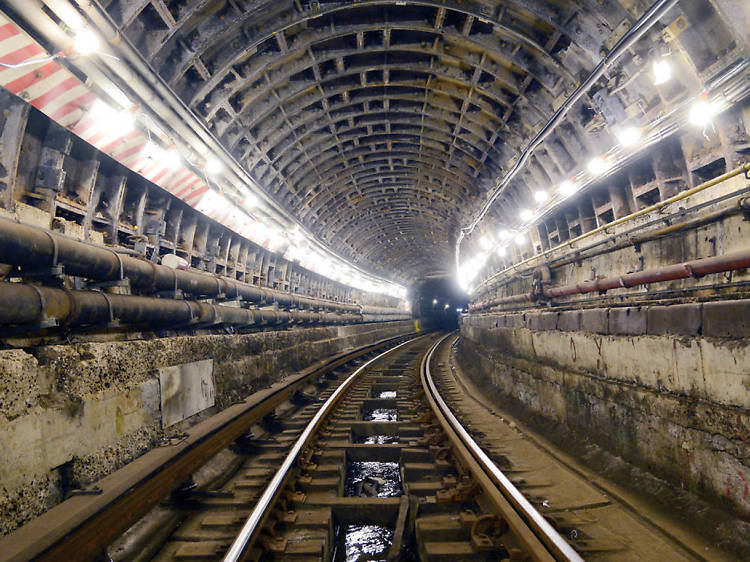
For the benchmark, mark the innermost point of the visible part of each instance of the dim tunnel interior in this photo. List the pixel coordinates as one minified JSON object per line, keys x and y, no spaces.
{"x":214,"y":212}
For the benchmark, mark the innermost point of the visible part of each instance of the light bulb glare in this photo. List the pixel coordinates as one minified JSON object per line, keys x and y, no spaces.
{"x":502,"y":252}
{"x":485,"y":242}
{"x":567,"y":188}
{"x":629,"y":136}
{"x":172,"y":159}
{"x":213,"y":166}
{"x":520,"y":239}
{"x":526,"y":215}
{"x":662,"y":71}
{"x":540,"y":196}
{"x":701,"y":113}
{"x":597,"y":166}
{"x":85,"y":42}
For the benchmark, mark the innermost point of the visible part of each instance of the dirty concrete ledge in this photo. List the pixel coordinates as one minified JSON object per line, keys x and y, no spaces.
{"x":71,"y":414}
{"x":677,"y":406}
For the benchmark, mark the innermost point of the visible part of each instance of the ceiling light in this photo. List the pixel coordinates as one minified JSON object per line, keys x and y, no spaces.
{"x":701,"y":113}
{"x":172,"y":159}
{"x":485,"y":242}
{"x":629,"y":136}
{"x":521,"y":238}
{"x":213,"y":166}
{"x":597,"y":166}
{"x":526,"y":215}
{"x":85,"y":42}
{"x":434,"y":301}
{"x":502,"y":251}
{"x":122,"y":122}
{"x":504,"y":234}
{"x":567,"y":188}
{"x":251,"y":200}
{"x":540,"y":195}
{"x":662,"y":71}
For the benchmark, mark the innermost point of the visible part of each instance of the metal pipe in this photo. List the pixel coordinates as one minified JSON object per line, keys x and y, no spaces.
{"x":691,"y":269}
{"x":694,"y":269}
{"x":126,"y":68}
{"x":33,"y":248}
{"x":32,"y":306}
{"x":644,"y":23}
{"x":742,"y":169}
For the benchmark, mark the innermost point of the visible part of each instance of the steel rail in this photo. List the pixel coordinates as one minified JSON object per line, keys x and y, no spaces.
{"x":82,"y":526}
{"x":257,"y":518}
{"x":542,"y":541}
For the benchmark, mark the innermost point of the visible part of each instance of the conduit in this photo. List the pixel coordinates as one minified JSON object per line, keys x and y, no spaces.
{"x":34,"y":248}
{"x":692,"y":269}
{"x":644,"y":23}
{"x":35,"y":306}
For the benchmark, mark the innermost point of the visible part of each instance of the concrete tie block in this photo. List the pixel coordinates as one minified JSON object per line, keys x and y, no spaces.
{"x":595,"y":320}
{"x":548,"y":321}
{"x":678,"y":319}
{"x":631,"y":321}
{"x":569,"y":321}
{"x":533,"y":320}
{"x":726,"y":319}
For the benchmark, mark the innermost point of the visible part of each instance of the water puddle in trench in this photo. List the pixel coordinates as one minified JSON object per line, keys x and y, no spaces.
{"x":365,"y":542}
{"x":372,"y":479}
{"x":380,"y":414}
{"x":376,"y":439}
{"x":368,"y":479}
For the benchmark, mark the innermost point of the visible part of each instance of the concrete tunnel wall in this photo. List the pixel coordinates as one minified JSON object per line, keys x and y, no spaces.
{"x":71,"y":414}
{"x":662,"y":387}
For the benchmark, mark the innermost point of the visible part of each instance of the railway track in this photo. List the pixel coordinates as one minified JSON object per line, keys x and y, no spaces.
{"x":375,"y":467}
{"x":363,"y":458}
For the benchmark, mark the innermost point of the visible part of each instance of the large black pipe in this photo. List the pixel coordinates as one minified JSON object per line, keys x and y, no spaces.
{"x":34,"y":248}
{"x":31,"y":305}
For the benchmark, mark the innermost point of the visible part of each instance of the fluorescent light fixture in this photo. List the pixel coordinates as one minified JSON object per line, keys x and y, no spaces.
{"x":86,"y":42}
{"x":567,"y":188}
{"x":485,"y":242}
{"x":701,"y":113}
{"x":597,"y":166}
{"x":504,"y":234}
{"x":526,"y":215}
{"x":540,"y":196}
{"x":502,"y":251}
{"x":434,"y":301}
{"x":213,"y":166}
{"x":251,"y":201}
{"x":447,"y":305}
{"x":629,"y":136}
{"x":521,"y":239}
{"x":121,"y":122}
{"x":662,"y":71}
{"x":172,"y":159}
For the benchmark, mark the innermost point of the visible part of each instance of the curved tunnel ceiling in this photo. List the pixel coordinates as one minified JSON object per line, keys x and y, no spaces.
{"x":379,"y":124}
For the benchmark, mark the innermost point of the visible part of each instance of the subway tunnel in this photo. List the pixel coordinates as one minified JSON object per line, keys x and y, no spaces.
{"x":375,"y":280}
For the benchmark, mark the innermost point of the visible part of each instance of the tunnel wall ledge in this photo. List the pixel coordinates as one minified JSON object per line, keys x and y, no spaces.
{"x":72,"y":414}
{"x":663,"y":387}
